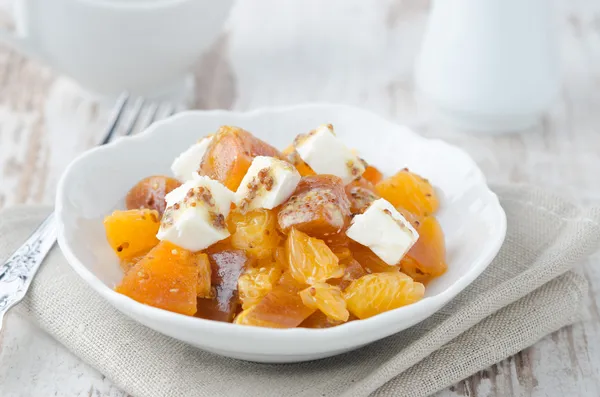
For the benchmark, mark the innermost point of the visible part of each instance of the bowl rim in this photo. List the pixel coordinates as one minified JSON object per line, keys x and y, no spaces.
{"x":282,"y":335}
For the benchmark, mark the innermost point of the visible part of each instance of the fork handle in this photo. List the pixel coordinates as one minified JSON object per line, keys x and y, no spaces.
{"x":18,"y":271}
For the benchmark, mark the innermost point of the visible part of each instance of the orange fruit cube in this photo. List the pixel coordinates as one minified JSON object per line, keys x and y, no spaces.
{"x":230,"y":154}
{"x":372,"y":175}
{"x":132,"y":233}
{"x":426,"y":259}
{"x":150,"y":193}
{"x":167,"y":278}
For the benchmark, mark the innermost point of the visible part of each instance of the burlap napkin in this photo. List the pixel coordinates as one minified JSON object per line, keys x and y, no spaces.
{"x":526,"y":293}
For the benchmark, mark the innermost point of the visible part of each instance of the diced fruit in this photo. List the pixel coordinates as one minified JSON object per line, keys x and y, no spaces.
{"x":226,"y":268}
{"x":254,"y":232}
{"x":280,"y":308}
{"x":352,"y":271}
{"x":292,"y":156}
{"x":409,"y":191}
{"x":132,"y":233}
{"x":255,"y":283}
{"x":204,"y":276}
{"x":310,"y":259}
{"x":211,"y":309}
{"x":230,"y":154}
{"x":426,"y":260}
{"x":361,"y":194}
{"x":377,"y":293}
{"x":319,"y":320}
{"x":150,"y":193}
{"x":370,"y":262}
{"x":372,"y":175}
{"x":128,"y":263}
{"x":319,"y":207}
{"x":167,"y":278}
{"x":327,"y":298}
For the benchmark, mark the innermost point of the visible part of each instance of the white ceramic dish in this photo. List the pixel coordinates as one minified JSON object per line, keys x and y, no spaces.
{"x":97,"y":181}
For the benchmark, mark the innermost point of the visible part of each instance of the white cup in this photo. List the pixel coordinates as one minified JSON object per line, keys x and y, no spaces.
{"x":144,"y":46}
{"x":490,"y":65}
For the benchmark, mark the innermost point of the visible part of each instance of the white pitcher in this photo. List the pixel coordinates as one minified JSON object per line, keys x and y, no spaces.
{"x":490,"y":65}
{"x":144,"y":46}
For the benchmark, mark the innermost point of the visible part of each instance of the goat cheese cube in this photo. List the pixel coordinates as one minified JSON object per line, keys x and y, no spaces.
{"x":326,"y":154}
{"x":196,"y":213}
{"x":384,"y":230}
{"x":186,"y":165}
{"x":268,"y":183}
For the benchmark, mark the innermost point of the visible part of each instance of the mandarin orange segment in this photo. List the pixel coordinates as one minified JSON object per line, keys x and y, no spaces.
{"x":280,"y":308}
{"x":132,"y":233}
{"x":318,"y":207}
{"x":327,"y":298}
{"x":310,"y":259}
{"x":226,"y":268}
{"x":204,"y":289}
{"x":230,"y":154}
{"x":150,"y":193}
{"x":426,"y":259}
{"x":292,"y":156}
{"x":167,"y":278}
{"x":255,"y":283}
{"x":352,"y":271}
{"x":372,"y":175}
{"x":361,"y":194}
{"x":254,"y":232}
{"x":379,"y":292}
{"x":410,"y":191}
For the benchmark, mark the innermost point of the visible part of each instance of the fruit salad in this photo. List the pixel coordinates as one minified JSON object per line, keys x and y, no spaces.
{"x":311,"y":236}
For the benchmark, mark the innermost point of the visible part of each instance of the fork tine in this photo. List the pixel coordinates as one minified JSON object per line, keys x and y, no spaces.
{"x":169,"y":110}
{"x":135,"y":114}
{"x":115,"y":117}
{"x":152,"y":113}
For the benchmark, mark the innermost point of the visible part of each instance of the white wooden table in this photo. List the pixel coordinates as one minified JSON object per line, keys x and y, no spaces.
{"x":361,"y":53}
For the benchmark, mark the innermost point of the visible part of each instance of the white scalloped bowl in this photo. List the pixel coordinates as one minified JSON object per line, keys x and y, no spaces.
{"x":97,"y":181}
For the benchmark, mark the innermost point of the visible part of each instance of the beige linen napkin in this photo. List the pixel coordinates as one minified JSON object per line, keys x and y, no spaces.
{"x":526,"y":293}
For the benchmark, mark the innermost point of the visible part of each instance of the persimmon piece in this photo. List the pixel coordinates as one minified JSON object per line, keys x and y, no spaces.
{"x":167,"y":278}
{"x":280,"y":308}
{"x":230,"y":154}
{"x":426,"y":259}
{"x":318,"y":207}
{"x":211,"y":309}
{"x":310,"y":259}
{"x":410,"y":191}
{"x":328,"y":299}
{"x":292,"y":156}
{"x":372,"y":175}
{"x":369,"y":260}
{"x":255,"y":283}
{"x":255,"y":232}
{"x":204,"y":289}
{"x":132,"y":233}
{"x":361,"y":194}
{"x":128,"y":263}
{"x":150,"y":193}
{"x":379,"y":292}
{"x":352,"y":271}
{"x":226,"y":268}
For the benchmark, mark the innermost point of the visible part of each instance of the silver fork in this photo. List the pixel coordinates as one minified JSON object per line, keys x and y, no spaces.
{"x":19,"y":270}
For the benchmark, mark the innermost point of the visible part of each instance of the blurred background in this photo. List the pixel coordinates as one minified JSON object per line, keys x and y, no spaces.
{"x":495,"y":54}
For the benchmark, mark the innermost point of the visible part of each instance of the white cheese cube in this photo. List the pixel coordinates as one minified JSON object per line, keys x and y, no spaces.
{"x":384,"y":230}
{"x":326,"y":154}
{"x":186,"y":165}
{"x":268,"y":183}
{"x":196,"y":213}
